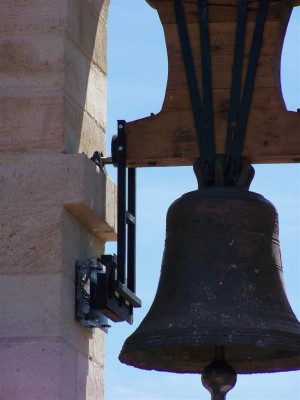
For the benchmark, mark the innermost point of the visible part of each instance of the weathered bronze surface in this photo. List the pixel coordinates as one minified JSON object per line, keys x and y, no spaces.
{"x":221,"y":284}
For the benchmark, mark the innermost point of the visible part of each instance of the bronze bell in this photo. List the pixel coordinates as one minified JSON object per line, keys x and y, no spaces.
{"x":221,"y":284}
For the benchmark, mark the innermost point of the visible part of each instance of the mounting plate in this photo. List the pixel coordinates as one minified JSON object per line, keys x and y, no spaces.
{"x":99,"y":295}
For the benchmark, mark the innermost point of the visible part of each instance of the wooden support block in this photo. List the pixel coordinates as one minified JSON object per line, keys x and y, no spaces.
{"x":169,"y":138}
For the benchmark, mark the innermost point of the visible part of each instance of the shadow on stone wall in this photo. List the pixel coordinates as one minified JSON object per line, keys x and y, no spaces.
{"x":85,"y":76}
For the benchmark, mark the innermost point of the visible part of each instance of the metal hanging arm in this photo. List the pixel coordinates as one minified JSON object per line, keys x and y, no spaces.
{"x":239,"y":109}
{"x":205,"y":137}
{"x":237,"y":71}
{"x":207,"y":79}
{"x":126,"y":244}
{"x":239,"y":136}
{"x":131,"y":222}
{"x":122,"y":182}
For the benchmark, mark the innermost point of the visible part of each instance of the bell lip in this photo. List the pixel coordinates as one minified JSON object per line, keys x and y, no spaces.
{"x":247,"y":352}
{"x":268,"y":363}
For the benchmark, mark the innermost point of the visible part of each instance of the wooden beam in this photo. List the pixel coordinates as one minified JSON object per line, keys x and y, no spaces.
{"x":273,"y":133}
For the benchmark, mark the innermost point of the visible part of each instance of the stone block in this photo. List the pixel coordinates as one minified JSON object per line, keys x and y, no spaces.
{"x":85,"y":83}
{"x":101,"y":7}
{"x":28,"y":313}
{"x":33,"y":54}
{"x":30,"y":210}
{"x":34,"y":86}
{"x":96,"y":93}
{"x":32,"y":124}
{"x":25,"y":307}
{"x":49,"y":53}
{"x":96,"y":203}
{"x":25,"y":17}
{"x":88,"y":31}
{"x":90,"y":344}
{"x":47,"y":369}
{"x":34,"y":369}
{"x":93,"y":383}
{"x":78,"y":243}
{"x":83,"y":134}
{"x":73,"y":179}
{"x":30,"y":239}
{"x":31,"y":96}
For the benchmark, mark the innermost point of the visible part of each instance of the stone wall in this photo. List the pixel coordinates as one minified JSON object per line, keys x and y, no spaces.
{"x":56,"y":206}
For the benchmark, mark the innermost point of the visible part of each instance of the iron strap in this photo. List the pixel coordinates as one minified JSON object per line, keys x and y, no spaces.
{"x":239,"y":136}
{"x":131,"y":229}
{"x":206,"y":77}
{"x":205,"y":137}
{"x":236,"y":82}
{"x":126,"y":213}
{"x":122,"y":184}
{"x":239,"y":110}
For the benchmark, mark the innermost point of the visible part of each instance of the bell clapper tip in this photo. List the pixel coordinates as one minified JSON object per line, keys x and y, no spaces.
{"x":219,"y":377}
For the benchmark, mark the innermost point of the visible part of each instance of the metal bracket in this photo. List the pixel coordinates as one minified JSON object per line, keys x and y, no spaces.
{"x":105,"y":286}
{"x":126,"y":246}
{"x":84,"y":313}
{"x":203,"y":115}
{"x":100,"y":295}
{"x":238,"y":115}
{"x":98,"y":158}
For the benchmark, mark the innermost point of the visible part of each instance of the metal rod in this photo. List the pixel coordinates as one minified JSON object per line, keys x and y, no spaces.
{"x":121,"y":246}
{"x":206,"y":78}
{"x":131,"y":240}
{"x":207,"y":159}
{"x":107,"y":160}
{"x":237,"y":71}
{"x":248,"y":89}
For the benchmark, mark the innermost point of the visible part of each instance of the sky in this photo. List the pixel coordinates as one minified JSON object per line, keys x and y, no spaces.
{"x":137,"y":77}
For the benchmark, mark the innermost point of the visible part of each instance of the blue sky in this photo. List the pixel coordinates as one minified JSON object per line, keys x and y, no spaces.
{"x":137,"y":76}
